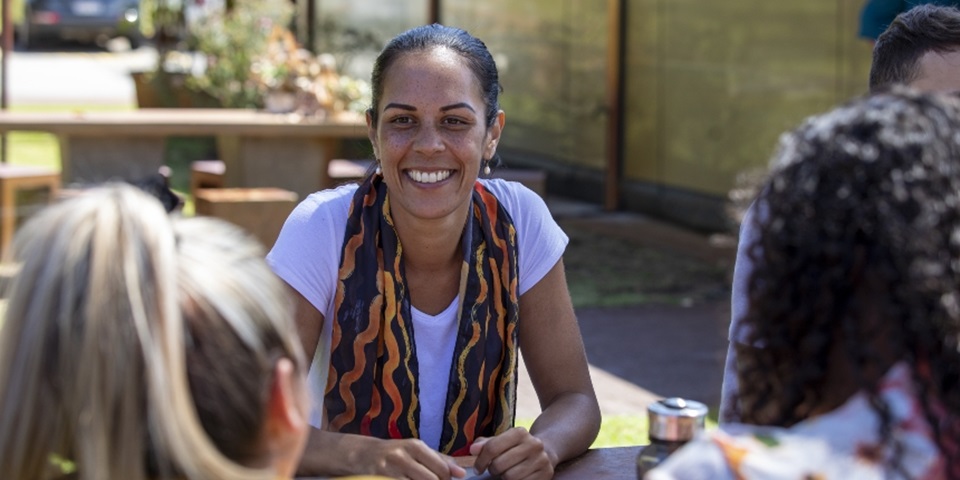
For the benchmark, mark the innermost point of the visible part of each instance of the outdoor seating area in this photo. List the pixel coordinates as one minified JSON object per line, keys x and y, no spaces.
{"x":361,"y":239}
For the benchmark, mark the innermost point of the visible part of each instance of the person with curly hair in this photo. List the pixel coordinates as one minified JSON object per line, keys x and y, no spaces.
{"x":921,"y":49}
{"x":853,"y":301}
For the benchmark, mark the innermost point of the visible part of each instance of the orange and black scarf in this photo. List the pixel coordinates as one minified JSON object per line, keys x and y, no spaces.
{"x":372,"y":388}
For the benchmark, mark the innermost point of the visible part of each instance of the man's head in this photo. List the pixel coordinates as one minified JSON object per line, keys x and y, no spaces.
{"x":920,"y":48}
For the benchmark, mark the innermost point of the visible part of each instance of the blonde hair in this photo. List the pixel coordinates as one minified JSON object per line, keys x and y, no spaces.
{"x":111,"y":299}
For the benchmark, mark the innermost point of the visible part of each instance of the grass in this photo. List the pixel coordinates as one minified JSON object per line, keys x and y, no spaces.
{"x":615,"y":430}
{"x":624,"y":430}
{"x":33,"y":148}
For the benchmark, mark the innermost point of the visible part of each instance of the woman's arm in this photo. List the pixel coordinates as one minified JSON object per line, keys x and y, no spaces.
{"x":309,"y":322}
{"x":553,"y":352}
{"x":332,"y":453}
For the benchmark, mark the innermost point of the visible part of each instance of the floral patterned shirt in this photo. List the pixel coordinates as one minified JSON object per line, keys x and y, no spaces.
{"x":841,"y":444}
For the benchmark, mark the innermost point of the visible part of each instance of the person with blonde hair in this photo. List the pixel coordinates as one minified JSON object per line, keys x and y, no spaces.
{"x":138,"y":346}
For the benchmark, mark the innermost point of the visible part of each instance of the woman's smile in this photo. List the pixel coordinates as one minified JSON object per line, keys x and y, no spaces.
{"x":428,"y":177}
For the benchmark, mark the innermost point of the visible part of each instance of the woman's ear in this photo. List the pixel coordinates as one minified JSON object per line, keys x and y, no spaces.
{"x":286,"y":426}
{"x":493,"y":135}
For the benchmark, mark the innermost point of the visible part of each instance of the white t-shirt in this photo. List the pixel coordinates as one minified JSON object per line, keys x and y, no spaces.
{"x":739,"y":302}
{"x":307,"y":256}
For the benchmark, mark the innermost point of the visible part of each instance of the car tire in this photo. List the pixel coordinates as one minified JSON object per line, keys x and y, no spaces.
{"x":22,"y":39}
{"x":135,"y":41}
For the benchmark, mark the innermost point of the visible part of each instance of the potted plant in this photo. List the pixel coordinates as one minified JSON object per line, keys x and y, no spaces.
{"x":228,"y":43}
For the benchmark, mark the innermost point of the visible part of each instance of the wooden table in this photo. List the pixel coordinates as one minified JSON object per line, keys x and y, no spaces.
{"x":613,"y":463}
{"x":601,"y":464}
{"x":260,"y":149}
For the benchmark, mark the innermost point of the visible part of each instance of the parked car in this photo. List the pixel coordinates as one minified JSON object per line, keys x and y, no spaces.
{"x":80,"y":20}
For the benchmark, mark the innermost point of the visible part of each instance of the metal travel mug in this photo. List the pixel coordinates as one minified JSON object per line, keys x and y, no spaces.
{"x":672,"y":422}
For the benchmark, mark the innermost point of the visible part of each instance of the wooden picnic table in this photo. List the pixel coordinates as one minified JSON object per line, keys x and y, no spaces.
{"x":259,"y":149}
{"x":611,"y":463}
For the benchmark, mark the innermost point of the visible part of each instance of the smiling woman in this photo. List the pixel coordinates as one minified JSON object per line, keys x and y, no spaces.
{"x":418,"y":287}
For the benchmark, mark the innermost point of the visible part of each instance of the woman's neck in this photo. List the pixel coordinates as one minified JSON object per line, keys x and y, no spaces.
{"x":430,"y":245}
{"x":432,"y":259}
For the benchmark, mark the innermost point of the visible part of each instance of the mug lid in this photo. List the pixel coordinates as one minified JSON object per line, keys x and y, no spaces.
{"x":678,"y":407}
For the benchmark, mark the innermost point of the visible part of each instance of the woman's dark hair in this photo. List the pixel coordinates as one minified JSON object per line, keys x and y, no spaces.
{"x":914,"y":33}
{"x":426,"y":37}
{"x":859,"y":252}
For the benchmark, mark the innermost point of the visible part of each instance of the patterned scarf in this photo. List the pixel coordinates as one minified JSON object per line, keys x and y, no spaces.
{"x":372,"y":388}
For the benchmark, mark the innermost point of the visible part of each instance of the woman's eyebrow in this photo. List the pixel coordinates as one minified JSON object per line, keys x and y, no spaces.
{"x":401,"y":106}
{"x":456,"y":106}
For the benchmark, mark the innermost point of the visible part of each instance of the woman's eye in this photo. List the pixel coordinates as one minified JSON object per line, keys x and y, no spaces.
{"x":401,"y":120}
{"x":455,"y":121}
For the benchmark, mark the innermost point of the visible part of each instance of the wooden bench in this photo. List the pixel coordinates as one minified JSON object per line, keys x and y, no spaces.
{"x":206,"y":174}
{"x":211,"y":173}
{"x":343,"y":171}
{"x":259,"y":211}
{"x":14,"y":180}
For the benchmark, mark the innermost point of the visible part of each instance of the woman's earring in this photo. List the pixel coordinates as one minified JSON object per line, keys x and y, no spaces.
{"x":486,"y":167}
{"x":378,"y":171}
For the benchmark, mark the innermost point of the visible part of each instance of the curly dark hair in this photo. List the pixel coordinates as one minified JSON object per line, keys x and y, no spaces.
{"x":857,"y":264}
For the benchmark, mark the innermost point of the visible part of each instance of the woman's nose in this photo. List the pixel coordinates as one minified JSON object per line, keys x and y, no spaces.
{"x":428,"y":140}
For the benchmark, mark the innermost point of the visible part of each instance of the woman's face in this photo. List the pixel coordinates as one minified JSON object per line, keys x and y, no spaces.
{"x":432,"y":134}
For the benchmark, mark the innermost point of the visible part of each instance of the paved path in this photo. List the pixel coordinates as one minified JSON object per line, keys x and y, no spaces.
{"x":639,"y":354}
{"x":642,"y":353}
{"x":75,"y":76}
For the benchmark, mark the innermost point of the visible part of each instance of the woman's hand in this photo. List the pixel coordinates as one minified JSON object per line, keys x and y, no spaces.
{"x":344,"y":454}
{"x":513,"y":455}
{"x":408,"y":458}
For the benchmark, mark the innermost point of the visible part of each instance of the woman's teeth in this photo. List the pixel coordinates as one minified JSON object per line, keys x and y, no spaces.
{"x":428,"y":177}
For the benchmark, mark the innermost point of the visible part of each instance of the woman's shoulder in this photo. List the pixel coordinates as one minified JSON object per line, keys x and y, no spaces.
{"x":324,"y":205}
{"x":837,"y":445}
{"x":322,"y":215}
{"x":514,"y":196}
{"x":740,"y":451}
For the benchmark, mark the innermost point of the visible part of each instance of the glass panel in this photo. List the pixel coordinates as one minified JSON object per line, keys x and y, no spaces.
{"x":354,"y":31}
{"x":552,"y":56}
{"x":711,"y":85}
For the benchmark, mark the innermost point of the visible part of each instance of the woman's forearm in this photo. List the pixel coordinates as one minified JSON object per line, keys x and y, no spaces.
{"x":568,"y":426}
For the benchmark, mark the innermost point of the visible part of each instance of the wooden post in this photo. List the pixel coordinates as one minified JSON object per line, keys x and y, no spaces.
{"x":311,"y":30}
{"x":615,"y":91}
{"x":7,"y":50}
{"x":433,"y":14}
